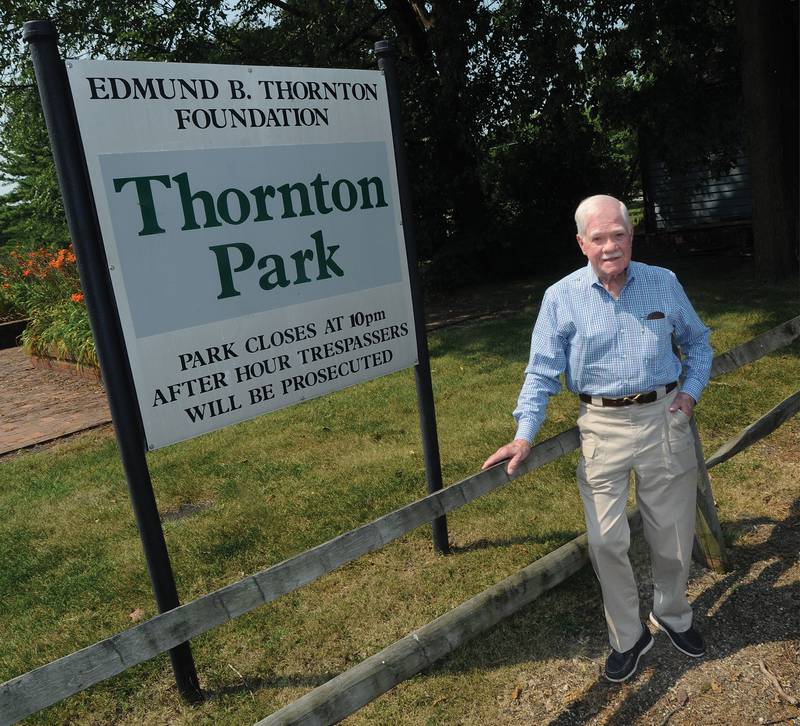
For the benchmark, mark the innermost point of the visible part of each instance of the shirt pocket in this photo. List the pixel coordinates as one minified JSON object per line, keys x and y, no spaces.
{"x":656,"y":338}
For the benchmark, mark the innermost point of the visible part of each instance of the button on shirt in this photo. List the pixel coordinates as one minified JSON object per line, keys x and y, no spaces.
{"x":611,"y":347}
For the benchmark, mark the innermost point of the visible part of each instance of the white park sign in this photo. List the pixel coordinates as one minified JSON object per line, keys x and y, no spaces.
{"x":251,"y":224}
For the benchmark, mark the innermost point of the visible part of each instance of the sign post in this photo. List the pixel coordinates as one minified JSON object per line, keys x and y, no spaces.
{"x":79,"y":208}
{"x":386,"y":53}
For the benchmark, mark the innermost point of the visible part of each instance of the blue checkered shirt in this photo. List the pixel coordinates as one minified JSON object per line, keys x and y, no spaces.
{"x":611,"y":347}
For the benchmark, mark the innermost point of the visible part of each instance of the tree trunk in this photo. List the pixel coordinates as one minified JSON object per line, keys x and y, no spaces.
{"x":768,"y":35}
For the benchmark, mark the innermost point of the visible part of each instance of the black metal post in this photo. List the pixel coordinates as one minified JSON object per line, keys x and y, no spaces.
{"x":386,"y":53}
{"x":70,"y":164}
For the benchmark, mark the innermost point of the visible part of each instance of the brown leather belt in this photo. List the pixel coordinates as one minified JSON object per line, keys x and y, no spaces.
{"x":648,"y":397}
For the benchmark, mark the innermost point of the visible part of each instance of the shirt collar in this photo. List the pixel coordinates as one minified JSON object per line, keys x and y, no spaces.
{"x":593,"y":279}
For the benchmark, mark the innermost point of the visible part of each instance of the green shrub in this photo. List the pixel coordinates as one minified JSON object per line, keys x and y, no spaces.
{"x":8,"y":311}
{"x":61,"y":331}
{"x":43,"y":285}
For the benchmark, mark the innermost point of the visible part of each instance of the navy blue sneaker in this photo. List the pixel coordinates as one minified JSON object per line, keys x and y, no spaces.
{"x":689,"y":641}
{"x":621,"y":666}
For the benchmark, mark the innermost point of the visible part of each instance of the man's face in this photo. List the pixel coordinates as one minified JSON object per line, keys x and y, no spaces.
{"x":606,"y":241}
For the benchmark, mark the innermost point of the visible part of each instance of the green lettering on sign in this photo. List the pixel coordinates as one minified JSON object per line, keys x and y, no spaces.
{"x":144,"y":194}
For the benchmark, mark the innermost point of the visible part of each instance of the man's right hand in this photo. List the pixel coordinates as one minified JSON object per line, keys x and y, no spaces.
{"x":517,"y":451}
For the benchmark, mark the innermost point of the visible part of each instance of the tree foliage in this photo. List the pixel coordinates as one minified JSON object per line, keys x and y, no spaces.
{"x":31,"y":213}
{"x":669,"y":70}
{"x":514,"y":109}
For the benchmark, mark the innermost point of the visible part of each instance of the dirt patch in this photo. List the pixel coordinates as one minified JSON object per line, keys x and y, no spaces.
{"x":185,"y":510}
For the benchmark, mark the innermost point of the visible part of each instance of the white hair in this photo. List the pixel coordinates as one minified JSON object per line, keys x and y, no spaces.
{"x":587,"y":206}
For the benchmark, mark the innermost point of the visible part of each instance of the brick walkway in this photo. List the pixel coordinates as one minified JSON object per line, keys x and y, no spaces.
{"x":42,"y":404}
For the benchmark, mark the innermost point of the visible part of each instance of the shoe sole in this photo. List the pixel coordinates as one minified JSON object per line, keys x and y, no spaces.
{"x":635,"y":665}
{"x":660,"y":627}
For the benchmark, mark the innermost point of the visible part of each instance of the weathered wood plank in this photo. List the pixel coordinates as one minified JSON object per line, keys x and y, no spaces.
{"x":349,"y":691}
{"x":50,"y":683}
{"x":704,"y":543}
{"x":22,"y":696}
{"x":708,"y":530}
{"x":752,"y":350}
{"x":757,"y":430}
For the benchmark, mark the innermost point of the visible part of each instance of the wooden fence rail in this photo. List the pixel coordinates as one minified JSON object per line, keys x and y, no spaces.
{"x":32,"y":691}
{"x":709,"y":543}
{"x":774,"y":339}
{"x":757,"y":430}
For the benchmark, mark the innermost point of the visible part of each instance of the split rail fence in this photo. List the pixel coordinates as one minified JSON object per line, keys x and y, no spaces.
{"x":37,"y":689}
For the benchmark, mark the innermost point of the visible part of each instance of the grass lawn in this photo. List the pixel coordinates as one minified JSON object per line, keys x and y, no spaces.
{"x":246,"y":497}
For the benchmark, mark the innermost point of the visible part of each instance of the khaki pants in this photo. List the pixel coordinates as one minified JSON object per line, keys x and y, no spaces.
{"x":659,"y":447}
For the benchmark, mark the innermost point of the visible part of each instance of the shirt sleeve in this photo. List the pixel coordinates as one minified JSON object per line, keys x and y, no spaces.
{"x":548,"y":360}
{"x":692,"y":337}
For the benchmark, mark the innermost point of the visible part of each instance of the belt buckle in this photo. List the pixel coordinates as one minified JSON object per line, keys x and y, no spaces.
{"x":633,"y":399}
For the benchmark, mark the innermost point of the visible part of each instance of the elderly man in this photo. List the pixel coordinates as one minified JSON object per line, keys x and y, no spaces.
{"x":608,"y":326}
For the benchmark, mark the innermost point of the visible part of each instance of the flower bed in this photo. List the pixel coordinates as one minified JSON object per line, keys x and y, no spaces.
{"x":44,"y":286}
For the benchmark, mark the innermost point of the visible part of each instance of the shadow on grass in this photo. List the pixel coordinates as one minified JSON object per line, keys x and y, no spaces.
{"x":507,"y":338}
{"x":720,"y":284}
{"x":556,"y":539}
{"x":732,"y":614}
{"x":249,"y":685}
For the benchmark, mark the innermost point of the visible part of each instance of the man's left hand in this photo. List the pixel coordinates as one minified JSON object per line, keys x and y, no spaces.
{"x":684,"y":402}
